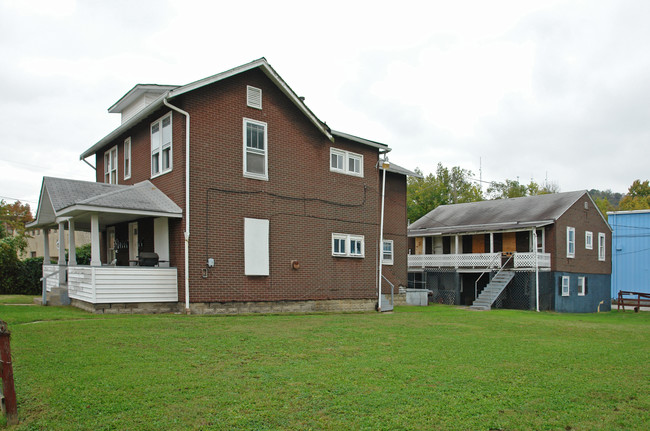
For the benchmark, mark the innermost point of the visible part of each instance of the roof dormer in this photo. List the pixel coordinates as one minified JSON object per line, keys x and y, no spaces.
{"x":138,"y":98}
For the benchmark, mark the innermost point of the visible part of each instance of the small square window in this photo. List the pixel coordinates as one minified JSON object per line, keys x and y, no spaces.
{"x":253,"y":97}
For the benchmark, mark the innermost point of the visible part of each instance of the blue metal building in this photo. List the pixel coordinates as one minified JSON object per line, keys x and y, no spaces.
{"x":630,"y":251}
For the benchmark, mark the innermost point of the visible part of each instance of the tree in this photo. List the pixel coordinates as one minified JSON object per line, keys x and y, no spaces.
{"x":514,"y":189}
{"x":637,"y":197}
{"x":604,"y":205}
{"x":13,"y":218}
{"x":446,"y":186}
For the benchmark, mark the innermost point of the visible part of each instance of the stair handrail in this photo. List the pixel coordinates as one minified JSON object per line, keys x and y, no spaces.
{"x":392,"y":288}
{"x":489,"y":268}
{"x":44,"y":280}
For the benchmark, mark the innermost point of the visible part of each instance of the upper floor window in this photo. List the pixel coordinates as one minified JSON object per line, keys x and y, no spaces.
{"x":601,"y":246}
{"x":387,"y":252}
{"x":589,"y":240}
{"x":110,"y":166}
{"x":161,"y":145}
{"x":255,"y":149}
{"x":344,"y":245}
{"x":570,"y":241}
{"x":127,"y":158}
{"x":346,"y":162}
{"x":253,"y":97}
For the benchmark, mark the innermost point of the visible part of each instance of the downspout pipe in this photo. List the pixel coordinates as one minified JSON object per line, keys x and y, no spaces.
{"x":384,"y":164}
{"x":187,"y":202}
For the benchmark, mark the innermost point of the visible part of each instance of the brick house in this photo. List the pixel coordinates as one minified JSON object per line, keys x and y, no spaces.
{"x":547,"y":251}
{"x":263,"y":206}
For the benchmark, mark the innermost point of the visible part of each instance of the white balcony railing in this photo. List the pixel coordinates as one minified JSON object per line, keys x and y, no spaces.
{"x":476,"y":260}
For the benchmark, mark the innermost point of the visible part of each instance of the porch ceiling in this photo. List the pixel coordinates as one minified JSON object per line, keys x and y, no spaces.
{"x":478,"y":229}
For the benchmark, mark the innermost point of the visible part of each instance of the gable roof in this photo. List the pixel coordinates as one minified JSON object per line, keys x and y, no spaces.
{"x":499,"y":214}
{"x":62,"y":197}
{"x":172,"y":92}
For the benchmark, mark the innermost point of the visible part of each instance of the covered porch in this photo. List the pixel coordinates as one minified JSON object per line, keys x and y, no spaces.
{"x":130,"y":236}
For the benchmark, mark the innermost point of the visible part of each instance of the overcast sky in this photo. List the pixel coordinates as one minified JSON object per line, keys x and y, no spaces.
{"x":556,"y":90}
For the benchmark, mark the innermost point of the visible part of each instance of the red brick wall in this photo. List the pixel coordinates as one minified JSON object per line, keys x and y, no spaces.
{"x":585,"y":261}
{"x":304,"y":202}
{"x":395,"y":227}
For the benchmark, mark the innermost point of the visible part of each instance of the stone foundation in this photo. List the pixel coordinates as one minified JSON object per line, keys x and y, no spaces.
{"x":334,"y":305}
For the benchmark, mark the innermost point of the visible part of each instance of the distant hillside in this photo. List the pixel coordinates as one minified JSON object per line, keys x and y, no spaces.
{"x":613,"y":198}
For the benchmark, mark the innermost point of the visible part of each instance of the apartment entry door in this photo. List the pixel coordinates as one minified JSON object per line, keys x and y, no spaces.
{"x":133,"y":243}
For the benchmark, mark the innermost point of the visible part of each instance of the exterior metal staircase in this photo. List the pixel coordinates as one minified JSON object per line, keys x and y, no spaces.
{"x":492,"y":290}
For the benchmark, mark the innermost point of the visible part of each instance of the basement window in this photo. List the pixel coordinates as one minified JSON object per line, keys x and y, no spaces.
{"x":582,"y":286}
{"x":565,"y":285}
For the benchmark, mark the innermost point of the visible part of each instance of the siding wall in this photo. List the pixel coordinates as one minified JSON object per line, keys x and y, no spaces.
{"x":630,"y":250}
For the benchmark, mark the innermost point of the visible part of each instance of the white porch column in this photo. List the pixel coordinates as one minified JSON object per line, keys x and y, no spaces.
{"x":62,"y":265}
{"x":46,"y":246}
{"x":456,"y":249}
{"x":72,"y":253}
{"x":491,"y":242}
{"x":95,"y":259}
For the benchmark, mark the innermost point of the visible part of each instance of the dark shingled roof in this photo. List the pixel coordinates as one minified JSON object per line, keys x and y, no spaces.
{"x":499,"y":214}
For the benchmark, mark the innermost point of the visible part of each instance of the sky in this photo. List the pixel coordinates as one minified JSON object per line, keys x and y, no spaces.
{"x":555,"y":91}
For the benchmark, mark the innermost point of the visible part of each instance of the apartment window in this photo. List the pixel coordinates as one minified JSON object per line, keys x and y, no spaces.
{"x":161,"y":145}
{"x":570,"y":242}
{"x":344,"y":245}
{"x":345,"y":162}
{"x":582,"y":286}
{"x":253,"y":97}
{"x":255,"y":149}
{"x":601,"y":246}
{"x":589,"y":240}
{"x":110,"y":166}
{"x":565,"y":285}
{"x":127,"y":158}
{"x":387,"y":252}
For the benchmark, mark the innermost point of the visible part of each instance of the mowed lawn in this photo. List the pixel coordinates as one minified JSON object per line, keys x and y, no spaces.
{"x":423,"y":368}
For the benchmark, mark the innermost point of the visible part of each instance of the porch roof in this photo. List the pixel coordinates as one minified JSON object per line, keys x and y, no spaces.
{"x":62,"y":198}
{"x":495,"y":215}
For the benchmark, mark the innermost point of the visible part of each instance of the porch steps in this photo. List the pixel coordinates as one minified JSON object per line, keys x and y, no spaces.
{"x":492,"y":291}
{"x":58,"y":296}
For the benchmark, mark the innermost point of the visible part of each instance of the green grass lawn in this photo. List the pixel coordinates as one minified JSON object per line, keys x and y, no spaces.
{"x":17,"y":299}
{"x":426,"y":368}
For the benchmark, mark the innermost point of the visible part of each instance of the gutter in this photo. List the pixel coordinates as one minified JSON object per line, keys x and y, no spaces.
{"x":187,"y":200}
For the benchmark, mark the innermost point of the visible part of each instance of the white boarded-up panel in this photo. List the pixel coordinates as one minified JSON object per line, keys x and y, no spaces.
{"x":256,"y":246}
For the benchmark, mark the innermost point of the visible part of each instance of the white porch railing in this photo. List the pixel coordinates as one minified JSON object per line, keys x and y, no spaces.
{"x":527,"y":260}
{"x":476,"y":260}
{"x":115,"y":284}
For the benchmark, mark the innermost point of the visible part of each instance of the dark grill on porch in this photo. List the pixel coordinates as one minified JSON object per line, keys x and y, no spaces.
{"x":148,"y":259}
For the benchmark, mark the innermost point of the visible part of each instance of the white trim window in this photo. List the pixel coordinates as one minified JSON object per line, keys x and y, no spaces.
{"x":161,"y":145}
{"x":345,"y":162}
{"x":565,"y":285}
{"x":110,"y":166}
{"x":601,"y":246}
{"x":254,"y":97}
{"x":582,"y":286}
{"x":387,"y":252}
{"x":570,"y":242}
{"x":127,"y":158}
{"x":255,"y":150}
{"x":589,"y":240}
{"x":344,"y":245}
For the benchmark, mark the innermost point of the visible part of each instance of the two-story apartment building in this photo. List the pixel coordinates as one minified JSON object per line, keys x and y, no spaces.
{"x":247,"y":199}
{"x":547,"y":252}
